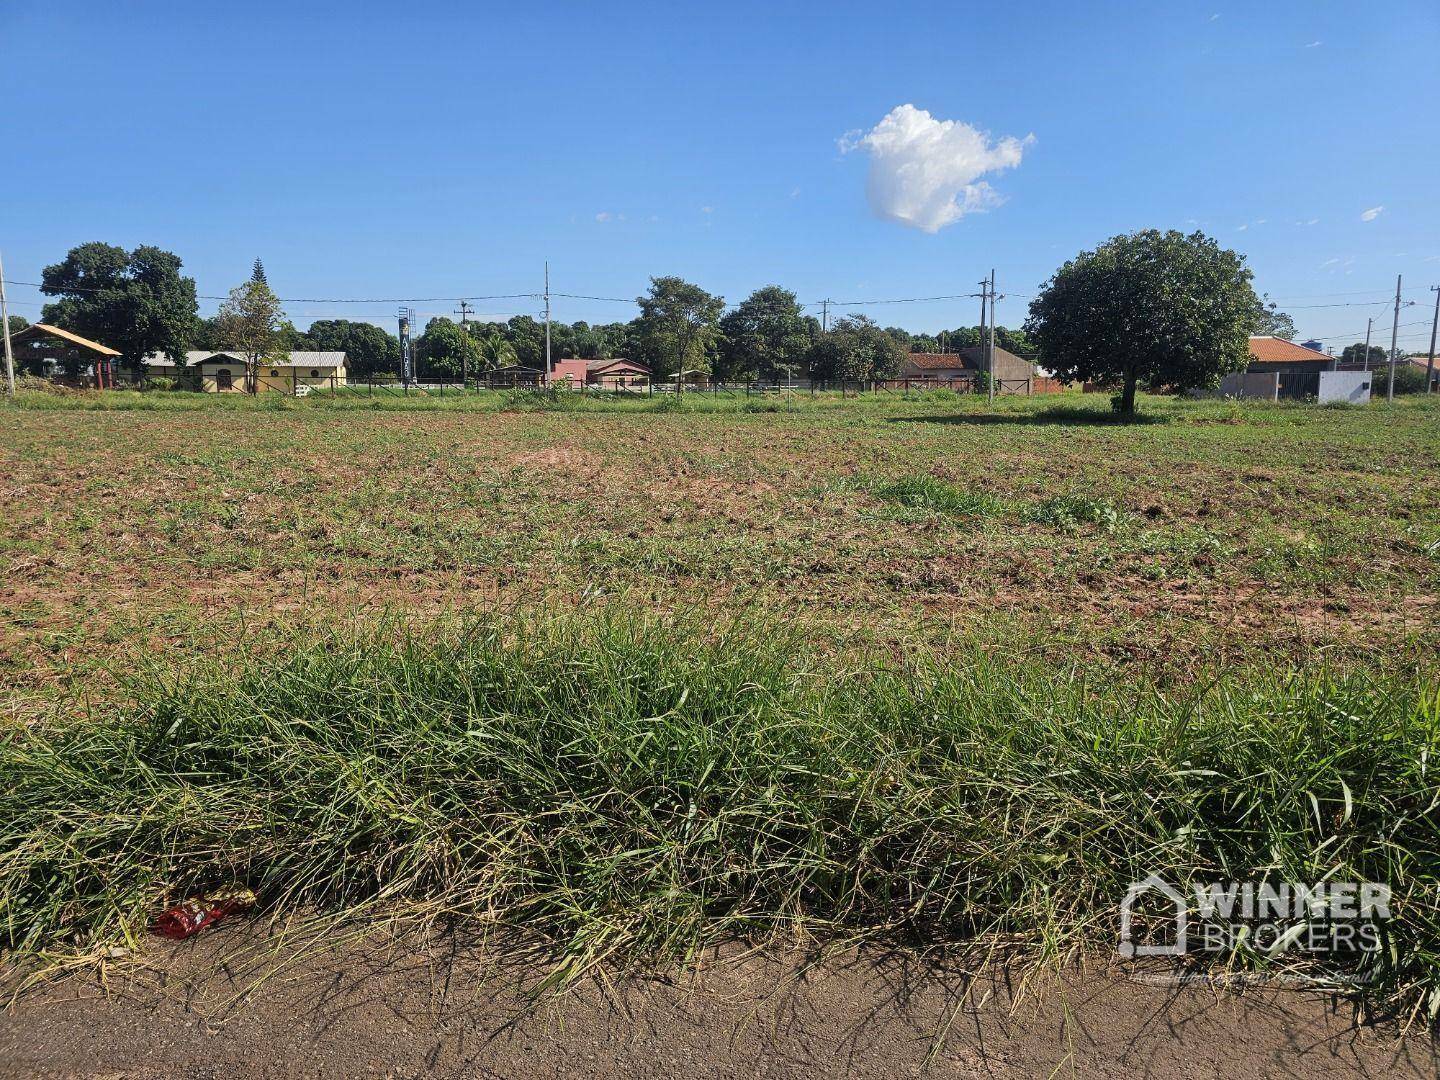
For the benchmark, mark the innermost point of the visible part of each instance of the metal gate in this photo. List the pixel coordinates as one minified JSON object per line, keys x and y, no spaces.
{"x":1298,"y":385}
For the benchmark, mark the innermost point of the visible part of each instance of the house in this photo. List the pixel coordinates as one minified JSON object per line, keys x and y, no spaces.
{"x":1268,"y":354}
{"x":51,"y":352}
{"x":966,"y":363}
{"x":613,"y":374}
{"x":224,"y":371}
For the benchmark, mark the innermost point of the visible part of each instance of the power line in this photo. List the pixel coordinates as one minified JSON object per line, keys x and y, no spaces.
{"x":327,"y":300}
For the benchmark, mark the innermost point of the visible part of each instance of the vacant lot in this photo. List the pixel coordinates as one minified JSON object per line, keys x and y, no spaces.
{"x":1216,"y":532}
{"x":910,"y":668}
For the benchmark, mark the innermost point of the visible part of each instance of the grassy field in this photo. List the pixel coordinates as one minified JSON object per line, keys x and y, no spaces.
{"x":920,"y":659}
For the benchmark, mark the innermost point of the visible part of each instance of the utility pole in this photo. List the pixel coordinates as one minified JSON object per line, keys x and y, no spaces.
{"x":984,"y":315}
{"x":1429,"y":363}
{"x":547,"y":321}
{"x":990,"y":349}
{"x":824,"y":316}
{"x":1394,"y":331}
{"x":1368,"y":324}
{"x":464,"y":313}
{"x":10,"y":356}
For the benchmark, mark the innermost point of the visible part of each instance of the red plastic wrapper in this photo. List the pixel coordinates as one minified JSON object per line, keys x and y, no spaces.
{"x":189,"y":917}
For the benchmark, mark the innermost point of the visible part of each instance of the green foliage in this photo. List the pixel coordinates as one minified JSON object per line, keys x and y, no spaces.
{"x":136,"y":302}
{"x":1069,"y":512}
{"x":252,"y":322}
{"x":637,"y":790}
{"x":856,"y":348}
{"x":1164,"y":309}
{"x":17,"y":323}
{"x":765,"y":337}
{"x":929,"y":493}
{"x":679,"y":325}
{"x":1271,"y":321}
{"x":447,"y":349}
{"x":369,"y":351}
{"x":1409,"y":379}
{"x":1356,"y":354}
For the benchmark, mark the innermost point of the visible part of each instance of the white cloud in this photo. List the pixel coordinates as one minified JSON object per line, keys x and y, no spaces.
{"x":1314,"y":44}
{"x":604,"y":215}
{"x":925,"y":172}
{"x":794,"y":193}
{"x":1329,"y":262}
{"x":1372,"y":213}
{"x":1242,"y":228}
{"x":1311,"y":221}
{"x":1215,"y":16}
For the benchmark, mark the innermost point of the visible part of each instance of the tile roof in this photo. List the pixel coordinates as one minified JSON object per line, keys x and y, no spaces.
{"x":931,"y":361}
{"x":1277,"y":350}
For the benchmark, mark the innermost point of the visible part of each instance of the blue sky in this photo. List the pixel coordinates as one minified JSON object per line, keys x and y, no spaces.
{"x":374,"y":151}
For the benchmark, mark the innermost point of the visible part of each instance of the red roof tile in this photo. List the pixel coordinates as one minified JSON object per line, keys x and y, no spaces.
{"x":1278,"y":350}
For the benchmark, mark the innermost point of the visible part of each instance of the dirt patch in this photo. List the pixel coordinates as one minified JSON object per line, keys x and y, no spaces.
{"x":409,"y":1007}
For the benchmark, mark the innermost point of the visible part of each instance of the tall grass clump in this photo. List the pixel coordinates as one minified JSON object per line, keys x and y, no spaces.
{"x":636,"y":789}
{"x":924,"y":492}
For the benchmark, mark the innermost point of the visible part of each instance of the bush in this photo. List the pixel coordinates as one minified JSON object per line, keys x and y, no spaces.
{"x":1409,"y":379}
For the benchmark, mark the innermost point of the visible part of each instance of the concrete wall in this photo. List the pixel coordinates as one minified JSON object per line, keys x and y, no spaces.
{"x":1351,"y":386}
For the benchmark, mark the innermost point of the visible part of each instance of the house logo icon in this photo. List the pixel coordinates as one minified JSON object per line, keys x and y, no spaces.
{"x":1153,"y":886}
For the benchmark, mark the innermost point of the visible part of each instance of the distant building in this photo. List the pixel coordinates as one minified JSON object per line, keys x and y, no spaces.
{"x":1276,"y":354}
{"x":225,"y":372}
{"x":965,"y":363}
{"x":611,"y":374}
{"x":53,"y":353}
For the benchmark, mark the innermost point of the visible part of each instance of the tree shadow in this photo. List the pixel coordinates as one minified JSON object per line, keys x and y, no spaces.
{"x":1062,"y":415}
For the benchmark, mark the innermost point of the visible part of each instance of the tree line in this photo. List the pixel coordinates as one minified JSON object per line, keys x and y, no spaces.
{"x":141,"y":304}
{"x":1153,"y":310}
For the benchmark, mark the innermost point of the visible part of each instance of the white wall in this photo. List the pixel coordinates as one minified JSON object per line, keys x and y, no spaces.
{"x":1351,"y":386}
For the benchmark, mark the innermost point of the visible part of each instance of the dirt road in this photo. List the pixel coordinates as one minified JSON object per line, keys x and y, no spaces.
{"x":402,"y":1008}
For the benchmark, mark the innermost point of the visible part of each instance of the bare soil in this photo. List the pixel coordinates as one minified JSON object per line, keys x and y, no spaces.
{"x":227,"y":1005}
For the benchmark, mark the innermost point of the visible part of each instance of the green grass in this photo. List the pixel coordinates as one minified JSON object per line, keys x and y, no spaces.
{"x":636,"y":790}
{"x":1029,"y":653}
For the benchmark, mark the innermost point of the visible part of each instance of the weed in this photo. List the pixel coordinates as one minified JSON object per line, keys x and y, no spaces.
{"x":1069,"y":512}
{"x":929,"y":493}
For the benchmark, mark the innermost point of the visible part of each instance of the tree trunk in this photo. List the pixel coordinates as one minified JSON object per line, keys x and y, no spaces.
{"x":1127,"y":397}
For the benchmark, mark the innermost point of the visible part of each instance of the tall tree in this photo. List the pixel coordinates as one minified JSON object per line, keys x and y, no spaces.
{"x":765,"y":336}
{"x":447,"y":349}
{"x":369,"y":350}
{"x":136,"y":302}
{"x":527,"y":338}
{"x":856,"y":348}
{"x":494,"y":347}
{"x":1155,"y":307}
{"x":679,"y":324}
{"x":1272,"y":321}
{"x":1355,"y":354}
{"x":252,"y":323}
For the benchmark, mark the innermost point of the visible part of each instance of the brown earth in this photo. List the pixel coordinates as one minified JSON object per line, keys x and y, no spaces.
{"x":401,"y":1007}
